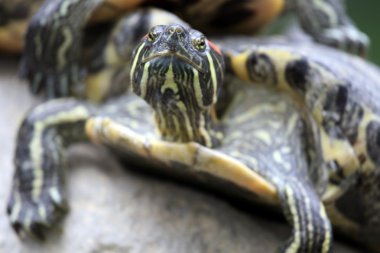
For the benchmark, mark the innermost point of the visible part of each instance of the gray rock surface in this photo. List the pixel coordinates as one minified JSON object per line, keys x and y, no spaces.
{"x":116,"y":210}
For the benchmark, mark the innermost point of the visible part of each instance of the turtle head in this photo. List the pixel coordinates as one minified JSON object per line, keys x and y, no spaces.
{"x":179,"y":73}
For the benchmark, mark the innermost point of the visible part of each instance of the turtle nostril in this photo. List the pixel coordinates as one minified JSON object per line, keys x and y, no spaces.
{"x":179,"y":30}
{"x":171,"y":30}
{"x":176,"y":29}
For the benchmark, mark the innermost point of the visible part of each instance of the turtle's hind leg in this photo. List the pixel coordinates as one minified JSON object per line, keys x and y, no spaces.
{"x":305,"y":212}
{"x":37,"y":198}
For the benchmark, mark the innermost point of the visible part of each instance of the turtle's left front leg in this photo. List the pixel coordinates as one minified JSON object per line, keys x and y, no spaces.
{"x":304,"y":211}
{"x":327,"y":22}
{"x":37,"y":198}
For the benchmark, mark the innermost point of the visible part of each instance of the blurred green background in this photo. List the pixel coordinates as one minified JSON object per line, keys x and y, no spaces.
{"x":366,"y":14}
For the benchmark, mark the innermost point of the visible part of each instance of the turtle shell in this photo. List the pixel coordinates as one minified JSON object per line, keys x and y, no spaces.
{"x":264,"y":140}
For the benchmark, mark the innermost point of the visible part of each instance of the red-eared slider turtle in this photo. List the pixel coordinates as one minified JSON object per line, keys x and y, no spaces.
{"x":311,"y":152}
{"x":53,"y":61}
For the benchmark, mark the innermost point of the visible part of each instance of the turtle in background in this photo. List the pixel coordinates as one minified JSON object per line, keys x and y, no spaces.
{"x":54,"y":64}
{"x":282,"y":123}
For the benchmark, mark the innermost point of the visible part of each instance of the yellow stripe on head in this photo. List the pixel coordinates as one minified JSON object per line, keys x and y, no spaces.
{"x":213,"y":77}
{"x":136,"y":59}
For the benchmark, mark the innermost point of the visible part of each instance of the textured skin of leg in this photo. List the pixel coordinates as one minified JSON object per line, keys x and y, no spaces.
{"x":305,"y":212}
{"x":327,"y":22}
{"x":37,"y":198}
{"x":51,"y":60}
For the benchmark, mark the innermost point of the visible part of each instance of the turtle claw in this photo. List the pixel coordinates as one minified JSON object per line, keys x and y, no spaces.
{"x":35,"y":230}
{"x":54,"y":84}
{"x":347,"y":38}
{"x":34,"y":219}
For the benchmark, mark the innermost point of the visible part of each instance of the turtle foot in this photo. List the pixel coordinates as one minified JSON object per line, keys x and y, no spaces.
{"x":35,"y":218}
{"x":347,"y":38}
{"x":53,"y":83}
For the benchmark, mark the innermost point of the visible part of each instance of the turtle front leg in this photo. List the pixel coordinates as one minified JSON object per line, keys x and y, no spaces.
{"x":51,"y":60}
{"x":304,"y":211}
{"x":327,"y":22}
{"x":301,"y":205}
{"x":320,"y":91}
{"x":37,"y":198}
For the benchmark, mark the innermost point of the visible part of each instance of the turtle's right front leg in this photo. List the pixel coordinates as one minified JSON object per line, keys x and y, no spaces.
{"x":37,"y":198}
{"x":51,"y":60}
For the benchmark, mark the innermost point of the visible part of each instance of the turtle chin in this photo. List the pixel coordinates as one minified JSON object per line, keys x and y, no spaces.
{"x":179,"y":121}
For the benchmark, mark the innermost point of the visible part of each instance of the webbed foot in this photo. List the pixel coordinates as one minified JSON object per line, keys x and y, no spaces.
{"x":52,"y":55}
{"x":37,"y":200}
{"x":328,"y":23}
{"x":50,"y":82}
{"x":51,"y":64}
{"x":35,"y":218}
{"x":347,"y":38}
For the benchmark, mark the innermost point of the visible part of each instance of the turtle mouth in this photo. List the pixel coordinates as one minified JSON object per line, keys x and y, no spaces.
{"x":176,"y":55}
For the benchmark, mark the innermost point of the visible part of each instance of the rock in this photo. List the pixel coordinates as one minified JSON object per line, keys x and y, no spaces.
{"x":121,"y":211}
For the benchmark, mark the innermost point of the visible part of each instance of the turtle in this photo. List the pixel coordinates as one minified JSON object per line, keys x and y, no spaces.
{"x":53,"y":64}
{"x":279,"y":122}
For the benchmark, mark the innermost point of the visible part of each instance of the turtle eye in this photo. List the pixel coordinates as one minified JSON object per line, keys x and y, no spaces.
{"x":152,"y":35}
{"x":199,"y":43}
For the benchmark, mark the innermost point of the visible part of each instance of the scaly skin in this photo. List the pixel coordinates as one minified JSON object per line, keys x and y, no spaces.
{"x":328,"y":24}
{"x":38,"y":195}
{"x":58,"y":70}
{"x":296,"y":180}
{"x":338,"y":91}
